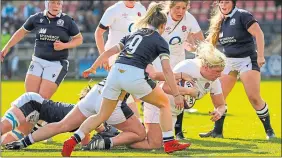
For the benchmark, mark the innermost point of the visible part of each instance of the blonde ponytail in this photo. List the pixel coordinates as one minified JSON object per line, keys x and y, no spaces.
{"x":154,"y":16}
{"x":215,"y":25}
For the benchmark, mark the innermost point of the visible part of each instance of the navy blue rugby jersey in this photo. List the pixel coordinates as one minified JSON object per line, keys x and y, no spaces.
{"x":49,"y":30}
{"x":234,"y":37}
{"x":142,"y":48}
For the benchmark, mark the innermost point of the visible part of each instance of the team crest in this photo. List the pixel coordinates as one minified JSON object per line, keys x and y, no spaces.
{"x":60,"y":22}
{"x":41,"y":20}
{"x":139,"y":14}
{"x":184,"y":28}
{"x":207,"y":85}
{"x":232,"y":21}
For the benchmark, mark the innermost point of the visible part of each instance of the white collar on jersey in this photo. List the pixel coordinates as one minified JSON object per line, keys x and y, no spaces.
{"x":232,"y":13}
{"x":45,"y":13}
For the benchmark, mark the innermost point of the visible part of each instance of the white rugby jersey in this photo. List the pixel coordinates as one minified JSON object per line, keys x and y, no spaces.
{"x":192,"y":68}
{"x":120,"y":19}
{"x":176,"y":34}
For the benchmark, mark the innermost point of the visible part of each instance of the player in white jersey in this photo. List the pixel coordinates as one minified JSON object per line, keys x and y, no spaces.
{"x":205,"y":69}
{"x":119,"y":19}
{"x":181,"y":26}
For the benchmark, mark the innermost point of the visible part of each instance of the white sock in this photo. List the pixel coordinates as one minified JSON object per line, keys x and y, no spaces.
{"x":168,"y":136}
{"x":80,"y":134}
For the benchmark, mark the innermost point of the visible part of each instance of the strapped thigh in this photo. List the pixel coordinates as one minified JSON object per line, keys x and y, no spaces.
{"x":11,"y":117}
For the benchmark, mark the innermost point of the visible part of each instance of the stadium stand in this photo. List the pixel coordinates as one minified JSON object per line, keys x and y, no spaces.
{"x":88,"y":13}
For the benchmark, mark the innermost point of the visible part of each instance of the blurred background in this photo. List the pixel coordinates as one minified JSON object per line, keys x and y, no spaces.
{"x":87,"y":15}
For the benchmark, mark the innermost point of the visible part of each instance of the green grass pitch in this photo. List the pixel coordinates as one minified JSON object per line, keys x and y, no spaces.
{"x":243,"y":131}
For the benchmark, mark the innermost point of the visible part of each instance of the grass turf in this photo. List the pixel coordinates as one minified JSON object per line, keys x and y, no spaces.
{"x":243,"y":131}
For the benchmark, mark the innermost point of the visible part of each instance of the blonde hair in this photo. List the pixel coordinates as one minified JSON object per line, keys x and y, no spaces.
{"x":171,"y":4}
{"x":85,"y":90}
{"x":215,"y":24}
{"x":155,"y":16}
{"x":210,"y":56}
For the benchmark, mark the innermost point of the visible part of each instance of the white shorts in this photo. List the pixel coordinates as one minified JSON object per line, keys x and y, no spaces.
{"x":54,"y":71}
{"x":90,"y":105}
{"x":128,"y":78}
{"x":241,"y":65}
{"x":152,"y":113}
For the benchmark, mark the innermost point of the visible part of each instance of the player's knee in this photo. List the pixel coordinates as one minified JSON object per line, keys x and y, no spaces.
{"x":141,"y":135}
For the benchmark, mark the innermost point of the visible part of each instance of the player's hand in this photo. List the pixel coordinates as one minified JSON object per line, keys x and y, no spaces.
{"x":16,"y":145}
{"x":179,"y":102}
{"x":3,"y":54}
{"x":261,"y":61}
{"x":86,"y":73}
{"x":106,"y":65}
{"x":216,"y":115}
{"x":58,"y":45}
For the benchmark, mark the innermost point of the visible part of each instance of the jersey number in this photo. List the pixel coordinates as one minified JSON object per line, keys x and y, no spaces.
{"x":135,"y":43}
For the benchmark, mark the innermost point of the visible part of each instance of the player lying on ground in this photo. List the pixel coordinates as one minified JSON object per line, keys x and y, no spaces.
{"x":205,"y":69}
{"x":122,"y":118}
{"x":26,"y":111}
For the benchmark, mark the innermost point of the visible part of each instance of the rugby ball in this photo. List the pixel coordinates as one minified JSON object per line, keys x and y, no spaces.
{"x":189,"y":101}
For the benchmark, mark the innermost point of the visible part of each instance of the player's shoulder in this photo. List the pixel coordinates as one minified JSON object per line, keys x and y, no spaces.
{"x":189,"y":16}
{"x":243,"y":12}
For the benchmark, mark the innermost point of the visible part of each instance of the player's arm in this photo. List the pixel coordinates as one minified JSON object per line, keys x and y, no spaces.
{"x":106,"y":21}
{"x":182,"y":90}
{"x":219,"y":106}
{"x":159,"y":76}
{"x":99,"y":37}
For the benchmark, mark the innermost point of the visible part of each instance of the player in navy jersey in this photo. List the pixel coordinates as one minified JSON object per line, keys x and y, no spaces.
{"x":128,"y":73}
{"x":26,"y":110}
{"x":56,"y":33}
{"x":234,"y":29}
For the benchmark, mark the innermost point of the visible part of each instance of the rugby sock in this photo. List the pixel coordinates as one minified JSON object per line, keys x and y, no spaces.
{"x":108,"y":143}
{"x":167,"y":136}
{"x":218,"y":125}
{"x":264,"y":117}
{"x":36,"y":127}
{"x":178,"y":124}
{"x":78,"y":136}
{"x":28,"y":140}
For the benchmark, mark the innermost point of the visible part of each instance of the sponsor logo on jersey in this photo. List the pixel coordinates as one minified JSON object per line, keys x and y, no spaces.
{"x":232,"y":21}
{"x":42,"y":30}
{"x":60,"y":22}
{"x":124,"y":15}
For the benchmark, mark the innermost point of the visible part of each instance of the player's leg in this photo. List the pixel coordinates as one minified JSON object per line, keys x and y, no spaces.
{"x":123,"y":119}
{"x":153,"y":129}
{"x":33,"y":77}
{"x":228,"y":80}
{"x":251,"y":81}
{"x":170,"y":145}
{"x":53,"y":74}
{"x":12,"y":119}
